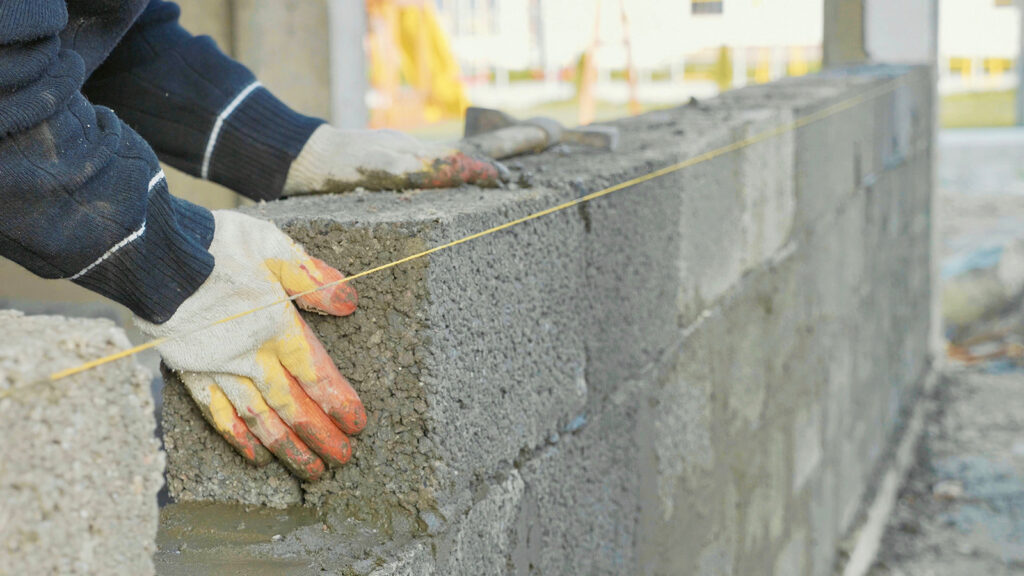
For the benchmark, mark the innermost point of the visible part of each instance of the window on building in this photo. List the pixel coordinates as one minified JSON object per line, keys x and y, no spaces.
{"x":706,"y":6}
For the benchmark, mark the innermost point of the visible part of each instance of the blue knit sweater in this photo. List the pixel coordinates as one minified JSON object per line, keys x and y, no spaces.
{"x":92,"y":92}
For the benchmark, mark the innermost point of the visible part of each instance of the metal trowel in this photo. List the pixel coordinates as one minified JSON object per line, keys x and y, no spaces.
{"x":498,"y":135}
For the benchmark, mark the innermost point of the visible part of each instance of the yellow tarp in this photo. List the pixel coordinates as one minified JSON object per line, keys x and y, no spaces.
{"x":411,"y":42}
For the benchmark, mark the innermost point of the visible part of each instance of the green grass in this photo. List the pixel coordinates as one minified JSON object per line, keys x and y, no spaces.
{"x":978,"y":109}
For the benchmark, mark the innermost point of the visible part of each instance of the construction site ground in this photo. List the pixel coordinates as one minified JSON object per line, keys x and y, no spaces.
{"x":961,"y":510}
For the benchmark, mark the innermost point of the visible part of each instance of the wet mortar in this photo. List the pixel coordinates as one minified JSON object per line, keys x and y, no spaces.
{"x":203,"y":539}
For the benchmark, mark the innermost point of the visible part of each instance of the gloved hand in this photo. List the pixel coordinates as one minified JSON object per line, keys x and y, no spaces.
{"x":341,"y":160}
{"x":264,"y":381}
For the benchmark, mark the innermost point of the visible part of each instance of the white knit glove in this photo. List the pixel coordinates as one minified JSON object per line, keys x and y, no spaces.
{"x":341,"y":160}
{"x":264,"y":381}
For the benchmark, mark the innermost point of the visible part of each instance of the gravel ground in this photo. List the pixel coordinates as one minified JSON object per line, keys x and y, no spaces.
{"x":961,"y":511}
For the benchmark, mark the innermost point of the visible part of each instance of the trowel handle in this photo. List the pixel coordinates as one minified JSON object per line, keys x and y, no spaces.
{"x":507,"y":142}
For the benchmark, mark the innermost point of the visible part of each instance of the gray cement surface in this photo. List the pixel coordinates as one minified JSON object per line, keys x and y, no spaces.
{"x":696,"y":375}
{"x":79,"y":464}
{"x":461,"y":363}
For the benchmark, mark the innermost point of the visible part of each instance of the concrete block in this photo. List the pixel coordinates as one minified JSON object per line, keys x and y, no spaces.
{"x":715,"y":560}
{"x":700,"y":531}
{"x":79,"y":464}
{"x":824,"y":523}
{"x":693,"y":376}
{"x":751,"y":390}
{"x":807,"y":451}
{"x":416,"y":561}
{"x":661,"y":252}
{"x":202,"y":467}
{"x":482,"y":542}
{"x":853,"y":473}
{"x":763,"y":483}
{"x":768,"y":191}
{"x":759,"y":360}
{"x":634,"y":239}
{"x":833,"y":158}
{"x":844,"y":152}
{"x":286,"y":43}
{"x":681,"y":420}
{"x":581,"y":498}
{"x":463,"y":360}
{"x":792,"y":560}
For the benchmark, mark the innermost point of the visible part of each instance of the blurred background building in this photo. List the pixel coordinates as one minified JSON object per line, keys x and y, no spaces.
{"x":416,"y":64}
{"x":602,"y":54}
{"x":979,"y":41}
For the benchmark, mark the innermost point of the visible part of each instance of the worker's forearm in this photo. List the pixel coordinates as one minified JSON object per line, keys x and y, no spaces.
{"x":201,"y":111}
{"x":82,"y":194}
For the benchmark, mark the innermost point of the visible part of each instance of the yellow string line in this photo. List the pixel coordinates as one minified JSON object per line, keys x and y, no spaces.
{"x":700,"y":158}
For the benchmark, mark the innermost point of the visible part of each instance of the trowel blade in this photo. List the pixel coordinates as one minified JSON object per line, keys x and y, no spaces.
{"x":480,"y":120}
{"x":600,"y":137}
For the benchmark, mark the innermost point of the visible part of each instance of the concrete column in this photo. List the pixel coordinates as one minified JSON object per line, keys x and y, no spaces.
{"x":843,"y":42}
{"x":903,"y":32}
{"x":347,"y":26}
{"x":286,"y":43}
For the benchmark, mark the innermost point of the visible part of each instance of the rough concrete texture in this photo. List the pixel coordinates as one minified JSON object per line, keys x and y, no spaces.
{"x":666,"y":253}
{"x":695,"y":375}
{"x":79,"y":464}
{"x":201,"y":465}
{"x":437,"y":349}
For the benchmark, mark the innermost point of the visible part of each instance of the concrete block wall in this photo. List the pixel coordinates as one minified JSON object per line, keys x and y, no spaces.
{"x":696,"y":375}
{"x":80,"y":465}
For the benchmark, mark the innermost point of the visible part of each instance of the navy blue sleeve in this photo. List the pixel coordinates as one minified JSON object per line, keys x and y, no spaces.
{"x":202,"y":112}
{"x":82,"y":195}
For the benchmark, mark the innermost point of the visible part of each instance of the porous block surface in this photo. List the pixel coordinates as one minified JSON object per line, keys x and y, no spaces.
{"x":462,"y":359}
{"x":695,"y":375}
{"x":79,"y":463}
